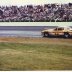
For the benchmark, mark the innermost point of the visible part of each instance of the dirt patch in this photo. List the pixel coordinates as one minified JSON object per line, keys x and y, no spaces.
{"x":34,"y":40}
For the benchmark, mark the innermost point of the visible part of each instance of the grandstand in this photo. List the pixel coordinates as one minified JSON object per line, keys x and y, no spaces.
{"x":37,"y":13}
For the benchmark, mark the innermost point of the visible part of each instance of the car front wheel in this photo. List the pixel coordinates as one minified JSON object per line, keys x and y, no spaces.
{"x":46,"y":34}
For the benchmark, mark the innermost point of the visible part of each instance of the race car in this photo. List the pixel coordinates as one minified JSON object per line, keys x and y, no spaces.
{"x":58,"y":31}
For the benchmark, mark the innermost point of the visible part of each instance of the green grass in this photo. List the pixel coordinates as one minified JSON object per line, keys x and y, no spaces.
{"x":19,"y":56}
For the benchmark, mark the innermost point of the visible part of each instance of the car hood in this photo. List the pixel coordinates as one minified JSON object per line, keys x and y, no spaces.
{"x":48,"y":30}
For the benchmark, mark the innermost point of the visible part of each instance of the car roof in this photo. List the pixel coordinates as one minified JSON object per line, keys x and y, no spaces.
{"x":64,"y":27}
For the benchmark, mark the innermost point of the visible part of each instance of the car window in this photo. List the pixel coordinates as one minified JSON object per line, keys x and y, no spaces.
{"x":60,"y":28}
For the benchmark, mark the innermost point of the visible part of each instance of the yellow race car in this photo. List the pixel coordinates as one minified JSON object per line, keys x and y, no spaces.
{"x":58,"y":31}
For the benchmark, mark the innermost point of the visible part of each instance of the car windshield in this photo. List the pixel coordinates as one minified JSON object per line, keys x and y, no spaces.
{"x":55,"y":29}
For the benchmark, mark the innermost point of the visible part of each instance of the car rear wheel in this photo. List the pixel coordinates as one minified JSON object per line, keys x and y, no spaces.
{"x":66,"y":35}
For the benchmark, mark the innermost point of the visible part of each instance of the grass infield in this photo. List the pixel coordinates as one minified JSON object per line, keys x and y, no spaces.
{"x":35,"y":54}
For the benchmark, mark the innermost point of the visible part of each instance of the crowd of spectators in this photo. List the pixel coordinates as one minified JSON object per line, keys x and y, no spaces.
{"x":39,"y":13}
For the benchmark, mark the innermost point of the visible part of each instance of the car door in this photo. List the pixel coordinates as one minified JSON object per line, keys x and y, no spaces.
{"x":55,"y":31}
{"x":60,"y":31}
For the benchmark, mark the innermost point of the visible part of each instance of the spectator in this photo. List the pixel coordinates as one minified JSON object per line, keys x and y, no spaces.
{"x":40,"y":13}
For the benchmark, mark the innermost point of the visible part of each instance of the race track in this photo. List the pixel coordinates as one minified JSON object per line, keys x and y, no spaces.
{"x":22,"y":31}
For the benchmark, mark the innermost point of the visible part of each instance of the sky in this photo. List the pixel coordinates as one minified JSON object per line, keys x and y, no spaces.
{"x":33,"y":2}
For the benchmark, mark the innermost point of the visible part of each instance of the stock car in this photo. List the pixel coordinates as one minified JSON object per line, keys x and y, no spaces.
{"x":58,"y":31}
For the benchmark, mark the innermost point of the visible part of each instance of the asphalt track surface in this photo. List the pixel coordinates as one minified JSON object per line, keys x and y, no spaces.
{"x":22,"y":31}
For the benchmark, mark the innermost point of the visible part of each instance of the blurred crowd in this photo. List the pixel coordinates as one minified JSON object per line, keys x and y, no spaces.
{"x":38,"y":13}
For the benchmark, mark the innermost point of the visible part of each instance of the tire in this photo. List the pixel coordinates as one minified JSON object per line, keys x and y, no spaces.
{"x":66,"y":35}
{"x":46,"y":34}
